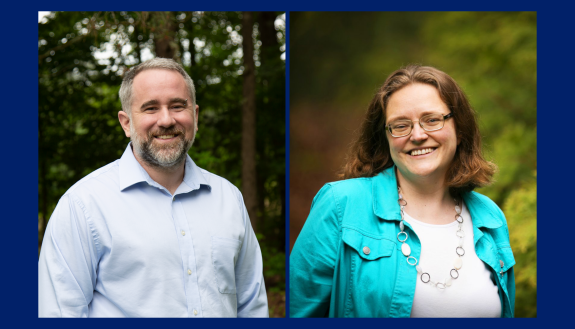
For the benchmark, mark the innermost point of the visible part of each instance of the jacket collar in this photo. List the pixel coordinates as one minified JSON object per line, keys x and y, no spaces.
{"x":385,"y":195}
{"x":385,"y":204}
{"x":131,"y":173}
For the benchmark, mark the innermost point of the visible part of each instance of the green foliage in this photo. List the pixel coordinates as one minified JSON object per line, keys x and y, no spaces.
{"x":521,"y":212}
{"x":274,"y":266}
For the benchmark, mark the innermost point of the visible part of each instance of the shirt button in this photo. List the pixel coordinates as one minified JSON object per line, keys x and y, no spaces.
{"x":189,"y":272}
{"x":366,"y":250}
{"x":183,"y":232}
{"x":195,"y":312}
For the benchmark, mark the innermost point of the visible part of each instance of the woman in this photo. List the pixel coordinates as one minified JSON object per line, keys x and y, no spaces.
{"x":404,"y":235}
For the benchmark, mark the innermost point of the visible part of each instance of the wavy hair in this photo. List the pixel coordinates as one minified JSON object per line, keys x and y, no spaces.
{"x":370,"y":153}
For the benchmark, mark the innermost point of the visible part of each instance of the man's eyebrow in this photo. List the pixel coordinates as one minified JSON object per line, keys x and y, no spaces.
{"x":150,"y":102}
{"x":178,"y":100}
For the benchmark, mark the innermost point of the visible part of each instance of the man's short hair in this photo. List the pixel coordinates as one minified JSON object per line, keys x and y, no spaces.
{"x":156,"y":63}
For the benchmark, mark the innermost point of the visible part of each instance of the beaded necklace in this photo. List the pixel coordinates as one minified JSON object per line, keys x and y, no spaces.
{"x":406,"y":249}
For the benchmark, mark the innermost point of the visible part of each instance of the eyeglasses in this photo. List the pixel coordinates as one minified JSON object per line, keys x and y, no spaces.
{"x":428,"y":122}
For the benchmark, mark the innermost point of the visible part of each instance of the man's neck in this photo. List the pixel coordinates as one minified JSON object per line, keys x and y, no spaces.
{"x":170,"y":178}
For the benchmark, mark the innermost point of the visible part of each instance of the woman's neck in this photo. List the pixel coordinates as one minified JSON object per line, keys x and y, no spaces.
{"x":427,"y":201}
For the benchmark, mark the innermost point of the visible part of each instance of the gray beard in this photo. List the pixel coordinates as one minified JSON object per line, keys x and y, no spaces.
{"x":161,"y":157}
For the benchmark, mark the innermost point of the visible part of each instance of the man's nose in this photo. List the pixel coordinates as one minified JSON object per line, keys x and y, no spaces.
{"x":165,"y":118}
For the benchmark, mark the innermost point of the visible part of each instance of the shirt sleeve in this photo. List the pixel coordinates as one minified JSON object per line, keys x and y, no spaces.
{"x":250,"y":286}
{"x":313,"y":258}
{"x":67,"y":264}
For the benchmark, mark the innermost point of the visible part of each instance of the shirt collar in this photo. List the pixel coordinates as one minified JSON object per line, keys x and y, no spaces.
{"x":131,"y":172}
{"x":385,"y":204}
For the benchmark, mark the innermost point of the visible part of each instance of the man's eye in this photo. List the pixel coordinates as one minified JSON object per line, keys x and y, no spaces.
{"x":150,"y":109}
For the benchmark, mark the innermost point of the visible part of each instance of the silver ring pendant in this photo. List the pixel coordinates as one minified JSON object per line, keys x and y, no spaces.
{"x":456,"y":273}
{"x":406,"y":236}
{"x":458,"y":218}
{"x":414,"y":261}
{"x":428,"y":277}
{"x":402,"y":202}
{"x":459,"y":251}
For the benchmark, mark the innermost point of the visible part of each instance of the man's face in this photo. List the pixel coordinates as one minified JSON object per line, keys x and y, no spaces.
{"x":163,"y":124}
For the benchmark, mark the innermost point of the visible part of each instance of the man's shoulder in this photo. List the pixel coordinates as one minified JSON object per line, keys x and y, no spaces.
{"x":107,"y":175}
{"x":215,"y":181}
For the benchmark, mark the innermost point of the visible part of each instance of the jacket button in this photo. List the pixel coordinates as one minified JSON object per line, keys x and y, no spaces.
{"x":366,"y":250}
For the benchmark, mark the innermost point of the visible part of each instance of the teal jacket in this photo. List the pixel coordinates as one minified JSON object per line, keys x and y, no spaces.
{"x":331,"y":276}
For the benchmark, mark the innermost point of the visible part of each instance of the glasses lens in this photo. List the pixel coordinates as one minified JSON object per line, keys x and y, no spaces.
{"x":400,"y":127}
{"x":432,"y":121}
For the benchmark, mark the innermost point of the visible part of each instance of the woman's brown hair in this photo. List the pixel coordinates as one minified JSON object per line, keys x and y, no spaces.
{"x":370,"y":153}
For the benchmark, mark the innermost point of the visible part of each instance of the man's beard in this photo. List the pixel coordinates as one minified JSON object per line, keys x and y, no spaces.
{"x":161,"y":156}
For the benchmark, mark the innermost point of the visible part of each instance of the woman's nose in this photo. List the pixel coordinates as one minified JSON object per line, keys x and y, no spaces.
{"x":418,"y":134}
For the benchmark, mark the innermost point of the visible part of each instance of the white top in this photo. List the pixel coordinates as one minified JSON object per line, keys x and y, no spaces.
{"x":473,"y":294}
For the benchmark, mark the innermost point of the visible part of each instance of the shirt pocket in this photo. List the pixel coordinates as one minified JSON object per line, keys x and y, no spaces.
{"x":224,"y":256}
{"x":367,"y":247}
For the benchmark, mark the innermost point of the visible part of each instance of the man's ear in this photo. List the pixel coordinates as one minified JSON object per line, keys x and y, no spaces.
{"x":124,"y":119}
{"x":197,"y":117}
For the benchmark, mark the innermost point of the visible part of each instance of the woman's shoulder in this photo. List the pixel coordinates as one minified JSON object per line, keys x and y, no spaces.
{"x":482,"y":200}
{"x":484,"y":210}
{"x":360,"y":187}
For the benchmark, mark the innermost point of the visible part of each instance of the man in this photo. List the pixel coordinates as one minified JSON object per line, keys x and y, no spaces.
{"x":152,"y":234}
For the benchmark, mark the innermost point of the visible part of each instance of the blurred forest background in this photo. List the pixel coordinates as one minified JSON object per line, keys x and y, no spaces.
{"x":81,"y":59}
{"x":338,"y":61}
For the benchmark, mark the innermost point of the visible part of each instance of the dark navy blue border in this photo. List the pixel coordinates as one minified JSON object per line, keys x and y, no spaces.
{"x":555,"y":173}
{"x":287,"y":166}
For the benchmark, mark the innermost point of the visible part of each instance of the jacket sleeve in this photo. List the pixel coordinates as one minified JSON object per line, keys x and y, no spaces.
{"x":313,"y":258}
{"x":67,"y":265}
{"x":250,"y":285}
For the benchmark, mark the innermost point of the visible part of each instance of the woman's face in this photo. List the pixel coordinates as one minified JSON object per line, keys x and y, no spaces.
{"x":421,"y":154}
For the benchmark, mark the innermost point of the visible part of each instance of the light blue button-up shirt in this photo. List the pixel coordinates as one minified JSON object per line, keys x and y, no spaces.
{"x":120,"y":245}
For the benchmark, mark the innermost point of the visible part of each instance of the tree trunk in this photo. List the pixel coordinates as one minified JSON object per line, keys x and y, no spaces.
{"x":267,"y":30}
{"x":165,"y":29}
{"x":249,"y":186}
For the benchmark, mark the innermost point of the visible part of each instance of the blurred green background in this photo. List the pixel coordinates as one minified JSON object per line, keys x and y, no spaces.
{"x":339,"y":59}
{"x":81,"y":59}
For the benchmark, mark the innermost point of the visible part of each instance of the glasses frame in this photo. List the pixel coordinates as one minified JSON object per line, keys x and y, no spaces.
{"x":445,"y":117}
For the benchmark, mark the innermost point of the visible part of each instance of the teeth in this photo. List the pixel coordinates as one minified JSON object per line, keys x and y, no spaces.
{"x":421,"y":152}
{"x":165,"y":136}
